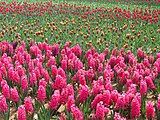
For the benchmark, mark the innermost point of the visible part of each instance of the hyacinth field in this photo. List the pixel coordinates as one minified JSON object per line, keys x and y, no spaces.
{"x":80,"y":60}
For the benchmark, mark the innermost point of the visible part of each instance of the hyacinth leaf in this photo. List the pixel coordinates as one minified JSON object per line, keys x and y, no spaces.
{"x":44,"y":114}
{"x":48,"y":91}
{"x":69,"y":116}
{"x":143,"y":107}
{"x":40,"y":116}
{"x":37,"y":105}
{"x":157,"y":83}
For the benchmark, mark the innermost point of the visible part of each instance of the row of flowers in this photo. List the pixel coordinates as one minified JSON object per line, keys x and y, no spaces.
{"x":66,"y":82}
{"x":152,"y":2}
{"x":34,"y":9}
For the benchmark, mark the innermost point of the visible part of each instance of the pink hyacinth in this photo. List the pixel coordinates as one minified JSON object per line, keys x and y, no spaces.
{"x":59,"y":83}
{"x":37,"y":72}
{"x":3,"y":104}
{"x":78,"y":64}
{"x":55,"y":49}
{"x":76,"y":50}
{"x":82,"y":79}
{"x":3,"y":82}
{"x":90,"y":74}
{"x":140,"y":53}
{"x":106,"y":97}
{"x":112,"y":61}
{"x":138,"y":95}
{"x":61,"y":72}
{"x":54,"y":70}
{"x":70,"y":102}
{"x":14,"y":95}
{"x":16,"y":77}
{"x":46,"y":76}
{"x":120,"y":104}
{"x":114,"y":52}
{"x":157,"y":65}
{"x":4,"y":71}
{"x":41,"y":93}
{"x":143,"y":87}
{"x":64,"y":96}
{"x":54,"y":102}
{"x":6,"y":91}
{"x":51,"y":61}
{"x":64,"y":64}
{"x":33,"y":79}
{"x":24,"y":83}
{"x":76,"y":113}
{"x":114,"y":96}
{"x":151,"y":59}
{"x":43,"y":83}
{"x":28,"y":105}
{"x":83,"y":93}
{"x":146,"y":62}
{"x":34,"y":50}
{"x":135,"y":77}
{"x":31,"y":65}
{"x":150,"y":110}
{"x":158,"y":102}
{"x":149,"y":82}
{"x":108,"y":85}
{"x":158,"y":55}
{"x":101,"y":111}
{"x":135,"y":108}
{"x":20,"y":70}
{"x":96,"y":100}
{"x":70,"y":89}
{"x":100,"y":68}
{"x":92,"y":63}
{"x":22,"y":113}
{"x":98,"y":87}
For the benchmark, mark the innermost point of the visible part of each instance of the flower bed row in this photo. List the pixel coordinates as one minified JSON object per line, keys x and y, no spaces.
{"x":65,"y":82}
{"x":39,"y":9}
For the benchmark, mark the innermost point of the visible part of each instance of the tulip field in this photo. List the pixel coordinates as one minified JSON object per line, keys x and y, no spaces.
{"x":80,"y":60}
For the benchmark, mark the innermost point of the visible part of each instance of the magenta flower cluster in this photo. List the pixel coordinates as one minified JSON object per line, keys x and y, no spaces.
{"x":88,"y":84}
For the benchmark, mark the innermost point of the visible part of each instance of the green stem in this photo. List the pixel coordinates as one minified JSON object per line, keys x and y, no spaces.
{"x":8,"y":113}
